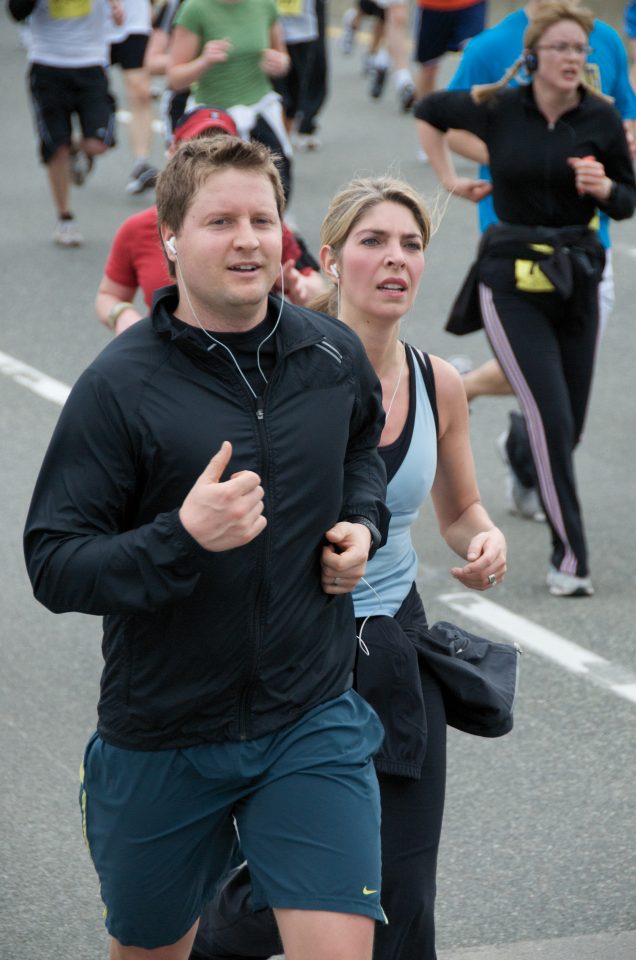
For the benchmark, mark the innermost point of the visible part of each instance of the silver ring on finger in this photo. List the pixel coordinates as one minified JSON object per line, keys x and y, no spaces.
{"x":335,"y":581}
{"x":492,"y":580}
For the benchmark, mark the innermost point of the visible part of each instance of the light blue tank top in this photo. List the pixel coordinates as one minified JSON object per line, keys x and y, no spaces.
{"x":394,"y":568}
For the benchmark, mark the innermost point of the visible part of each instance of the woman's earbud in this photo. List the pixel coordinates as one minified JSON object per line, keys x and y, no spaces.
{"x":171,"y":246}
{"x":333,"y":270}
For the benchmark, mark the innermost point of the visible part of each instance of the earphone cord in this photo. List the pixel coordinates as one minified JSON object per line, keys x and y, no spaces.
{"x":397,"y":387}
{"x":363,"y":645}
{"x":219,"y":343}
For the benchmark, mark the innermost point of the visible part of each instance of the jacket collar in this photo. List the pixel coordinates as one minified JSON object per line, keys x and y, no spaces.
{"x":528,"y":100}
{"x":298,"y":326}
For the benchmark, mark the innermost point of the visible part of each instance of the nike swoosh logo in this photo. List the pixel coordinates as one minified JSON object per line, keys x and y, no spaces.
{"x":367,"y":892}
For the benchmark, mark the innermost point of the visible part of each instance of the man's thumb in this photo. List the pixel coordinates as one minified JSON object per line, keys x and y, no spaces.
{"x":214,"y":470}
{"x":335,"y":534}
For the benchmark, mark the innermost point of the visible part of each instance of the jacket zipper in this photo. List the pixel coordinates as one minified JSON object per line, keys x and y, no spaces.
{"x":248,"y":689}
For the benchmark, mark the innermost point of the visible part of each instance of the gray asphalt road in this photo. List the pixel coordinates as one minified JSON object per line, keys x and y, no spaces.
{"x":537,"y":859}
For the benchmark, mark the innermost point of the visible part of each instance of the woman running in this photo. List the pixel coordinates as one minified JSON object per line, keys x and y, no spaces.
{"x":373,"y":240}
{"x":558,"y":154}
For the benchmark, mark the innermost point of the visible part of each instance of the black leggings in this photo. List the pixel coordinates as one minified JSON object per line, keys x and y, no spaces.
{"x":548,"y":359}
{"x":262,"y":132}
{"x":412,"y":812}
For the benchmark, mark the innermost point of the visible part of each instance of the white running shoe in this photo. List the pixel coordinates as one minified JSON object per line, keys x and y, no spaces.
{"x":306,"y":142}
{"x":66,"y":233}
{"x":143,"y":176}
{"x":521,"y":501}
{"x":406,"y":97}
{"x":462,"y":364}
{"x":348,"y":32}
{"x":81,"y":166}
{"x":567,"y":585}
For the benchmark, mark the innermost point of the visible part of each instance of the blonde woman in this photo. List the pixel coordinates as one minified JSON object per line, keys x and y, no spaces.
{"x":558,"y":154}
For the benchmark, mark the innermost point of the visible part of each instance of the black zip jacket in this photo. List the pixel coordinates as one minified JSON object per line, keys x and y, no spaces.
{"x":202,"y":646}
{"x":532,"y":181}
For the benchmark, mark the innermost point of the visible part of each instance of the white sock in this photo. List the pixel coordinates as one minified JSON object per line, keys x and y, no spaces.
{"x":381,"y":60}
{"x":402,"y":79}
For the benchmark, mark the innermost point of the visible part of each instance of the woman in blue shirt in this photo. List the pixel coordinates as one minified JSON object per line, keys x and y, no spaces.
{"x":373,"y":240}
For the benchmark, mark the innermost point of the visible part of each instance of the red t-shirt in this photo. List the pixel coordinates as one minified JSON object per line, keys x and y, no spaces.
{"x":136,"y":258}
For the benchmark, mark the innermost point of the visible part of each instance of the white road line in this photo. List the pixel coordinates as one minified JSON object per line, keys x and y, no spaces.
{"x":34,"y":380}
{"x":625,"y":248}
{"x":546,"y":643}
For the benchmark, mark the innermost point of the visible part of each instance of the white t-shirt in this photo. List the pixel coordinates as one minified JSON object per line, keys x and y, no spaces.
{"x":137,"y":19}
{"x":299,"y":21}
{"x":70,"y":33}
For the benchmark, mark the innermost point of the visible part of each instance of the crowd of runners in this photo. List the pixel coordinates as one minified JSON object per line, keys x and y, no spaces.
{"x":247,"y":355}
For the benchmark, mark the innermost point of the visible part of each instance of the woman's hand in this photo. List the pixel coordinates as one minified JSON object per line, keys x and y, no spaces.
{"x":469,"y":189}
{"x":590,"y":178}
{"x":486,"y":557}
{"x":275,"y":63}
{"x":215,"y":51}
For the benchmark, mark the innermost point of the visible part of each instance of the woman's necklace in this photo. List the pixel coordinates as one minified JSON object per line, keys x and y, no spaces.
{"x":397,"y":387}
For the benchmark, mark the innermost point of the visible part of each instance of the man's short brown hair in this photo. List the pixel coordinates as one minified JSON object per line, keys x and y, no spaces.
{"x":196,"y":160}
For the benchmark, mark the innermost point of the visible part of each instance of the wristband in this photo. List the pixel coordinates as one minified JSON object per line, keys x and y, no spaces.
{"x":116,"y":311}
{"x":376,"y":536}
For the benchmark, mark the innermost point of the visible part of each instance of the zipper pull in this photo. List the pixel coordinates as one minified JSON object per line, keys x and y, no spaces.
{"x":259,"y":408}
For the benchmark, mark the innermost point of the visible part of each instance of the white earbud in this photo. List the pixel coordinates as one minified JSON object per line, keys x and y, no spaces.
{"x":333,"y":270}
{"x":171,"y":246}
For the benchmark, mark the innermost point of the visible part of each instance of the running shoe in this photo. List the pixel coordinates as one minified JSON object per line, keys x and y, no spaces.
{"x":306,"y":142}
{"x":521,"y":501}
{"x":81,"y":166}
{"x":368,"y":64}
{"x":567,"y":585}
{"x":66,"y":233}
{"x":378,"y":79}
{"x":406,"y":97}
{"x":462,"y":364}
{"x":142,"y":177}
{"x":348,"y":31}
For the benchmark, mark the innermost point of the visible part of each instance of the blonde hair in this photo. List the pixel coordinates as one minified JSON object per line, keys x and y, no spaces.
{"x":550,"y":12}
{"x":348,"y":207}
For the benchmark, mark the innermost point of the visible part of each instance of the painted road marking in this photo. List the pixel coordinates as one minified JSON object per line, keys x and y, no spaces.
{"x":530,"y":636}
{"x":34,"y":380}
{"x":626,"y":249}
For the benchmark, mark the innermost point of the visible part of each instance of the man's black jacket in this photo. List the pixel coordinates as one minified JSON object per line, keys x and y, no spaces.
{"x":202,"y":646}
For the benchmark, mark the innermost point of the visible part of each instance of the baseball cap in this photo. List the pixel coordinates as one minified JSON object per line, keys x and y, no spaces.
{"x":202,"y":118}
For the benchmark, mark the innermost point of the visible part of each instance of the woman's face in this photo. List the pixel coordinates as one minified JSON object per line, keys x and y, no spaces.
{"x":562,"y":52}
{"x":381,"y":262}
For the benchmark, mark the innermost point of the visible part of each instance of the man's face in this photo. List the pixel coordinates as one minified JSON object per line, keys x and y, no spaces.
{"x":229,"y":250}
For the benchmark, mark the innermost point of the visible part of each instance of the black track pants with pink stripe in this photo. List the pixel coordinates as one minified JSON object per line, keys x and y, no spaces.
{"x":548,"y":358}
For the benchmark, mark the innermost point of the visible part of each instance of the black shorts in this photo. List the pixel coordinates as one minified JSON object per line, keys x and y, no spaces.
{"x":371,"y":9}
{"x":59,"y":92}
{"x":130,"y":52}
{"x":439,"y":31}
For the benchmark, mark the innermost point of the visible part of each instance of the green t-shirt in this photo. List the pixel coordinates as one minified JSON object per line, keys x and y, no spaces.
{"x":247,"y":24}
